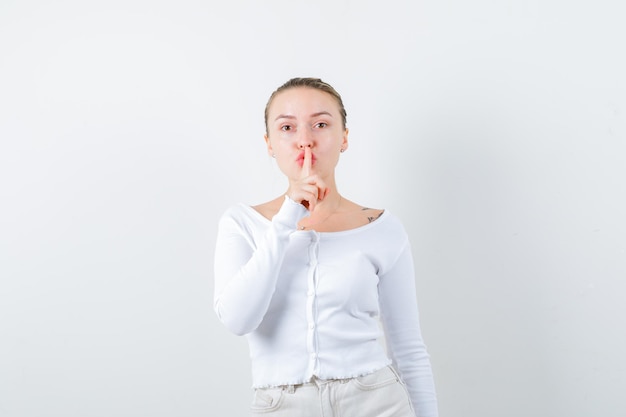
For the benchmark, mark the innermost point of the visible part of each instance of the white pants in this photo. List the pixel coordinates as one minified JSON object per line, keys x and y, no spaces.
{"x":380,"y":394}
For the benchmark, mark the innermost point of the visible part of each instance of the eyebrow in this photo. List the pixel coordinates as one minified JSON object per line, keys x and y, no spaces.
{"x":289,"y":116}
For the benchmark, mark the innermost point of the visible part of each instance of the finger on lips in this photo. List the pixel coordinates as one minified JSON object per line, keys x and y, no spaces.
{"x":306,"y":164}
{"x":315,"y":189}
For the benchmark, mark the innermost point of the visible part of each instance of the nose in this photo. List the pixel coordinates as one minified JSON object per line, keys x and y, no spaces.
{"x":305,"y":139}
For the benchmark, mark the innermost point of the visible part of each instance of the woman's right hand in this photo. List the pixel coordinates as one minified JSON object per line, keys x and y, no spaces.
{"x":308,"y":189}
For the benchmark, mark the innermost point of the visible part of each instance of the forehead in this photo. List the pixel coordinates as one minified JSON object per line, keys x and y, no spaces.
{"x":303,"y":101}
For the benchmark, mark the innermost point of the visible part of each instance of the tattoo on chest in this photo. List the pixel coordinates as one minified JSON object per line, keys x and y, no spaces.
{"x":372,"y":218}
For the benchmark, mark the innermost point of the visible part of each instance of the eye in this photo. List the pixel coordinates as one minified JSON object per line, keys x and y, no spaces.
{"x":285,"y":128}
{"x":321,"y":124}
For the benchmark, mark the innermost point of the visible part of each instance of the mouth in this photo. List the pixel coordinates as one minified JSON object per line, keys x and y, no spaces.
{"x":300,"y":159}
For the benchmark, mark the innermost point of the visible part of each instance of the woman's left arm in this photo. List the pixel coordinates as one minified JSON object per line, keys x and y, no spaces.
{"x":400,"y":317}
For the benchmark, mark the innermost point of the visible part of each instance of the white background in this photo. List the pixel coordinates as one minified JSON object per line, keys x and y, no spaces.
{"x":495,"y":130}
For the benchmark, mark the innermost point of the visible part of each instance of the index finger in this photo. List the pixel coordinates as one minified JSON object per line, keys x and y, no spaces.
{"x":306,"y":164}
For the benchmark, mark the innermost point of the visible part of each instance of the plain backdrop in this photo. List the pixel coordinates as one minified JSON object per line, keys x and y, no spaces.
{"x":496,"y":131}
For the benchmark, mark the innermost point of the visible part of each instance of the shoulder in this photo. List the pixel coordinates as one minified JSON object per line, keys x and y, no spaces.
{"x":239,"y":215}
{"x":370,"y":214}
{"x":382,"y":240}
{"x":360,"y":215}
{"x":246,"y":216}
{"x":382,"y":222}
{"x":269,"y":208}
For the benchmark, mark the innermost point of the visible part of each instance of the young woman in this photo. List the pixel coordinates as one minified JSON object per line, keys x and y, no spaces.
{"x":308,"y":277}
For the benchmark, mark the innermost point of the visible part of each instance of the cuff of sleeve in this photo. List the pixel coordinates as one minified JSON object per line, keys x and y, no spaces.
{"x":290,"y":214}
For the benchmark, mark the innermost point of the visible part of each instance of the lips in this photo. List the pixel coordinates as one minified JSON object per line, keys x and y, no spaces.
{"x":300,"y":158}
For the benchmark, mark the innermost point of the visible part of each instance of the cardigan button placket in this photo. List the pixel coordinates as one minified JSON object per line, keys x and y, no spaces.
{"x":311,"y":307}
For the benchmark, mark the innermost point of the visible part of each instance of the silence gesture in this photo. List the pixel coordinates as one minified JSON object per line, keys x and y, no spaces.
{"x":308,"y":189}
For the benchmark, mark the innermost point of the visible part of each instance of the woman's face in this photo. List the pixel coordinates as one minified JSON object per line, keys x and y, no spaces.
{"x":303,"y":117}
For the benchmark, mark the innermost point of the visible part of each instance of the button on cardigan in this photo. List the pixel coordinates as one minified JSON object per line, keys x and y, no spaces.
{"x":311,"y":304}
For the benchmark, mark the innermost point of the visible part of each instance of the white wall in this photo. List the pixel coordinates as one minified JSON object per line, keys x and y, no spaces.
{"x":495,"y":130}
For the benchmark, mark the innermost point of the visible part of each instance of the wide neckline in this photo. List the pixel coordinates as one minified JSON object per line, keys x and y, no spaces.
{"x":267,"y":221}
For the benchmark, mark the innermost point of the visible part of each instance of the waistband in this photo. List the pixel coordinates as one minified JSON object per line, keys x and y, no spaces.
{"x":316,"y":382}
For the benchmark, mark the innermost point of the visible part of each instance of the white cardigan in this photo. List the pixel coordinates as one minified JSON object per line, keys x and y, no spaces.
{"x":309,"y":303}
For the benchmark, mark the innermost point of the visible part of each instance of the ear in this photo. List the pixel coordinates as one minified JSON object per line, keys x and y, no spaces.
{"x":344,"y":143}
{"x":268,"y":143}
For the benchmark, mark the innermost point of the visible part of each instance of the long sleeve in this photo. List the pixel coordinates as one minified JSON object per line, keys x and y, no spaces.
{"x":399,"y":312}
{"x":246,"y":270}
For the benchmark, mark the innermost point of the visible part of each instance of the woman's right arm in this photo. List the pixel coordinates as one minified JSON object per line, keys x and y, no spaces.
{"x":246,"y":273}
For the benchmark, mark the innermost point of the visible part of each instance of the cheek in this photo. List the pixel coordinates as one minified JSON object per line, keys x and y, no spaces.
{"x":283,"y":141}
